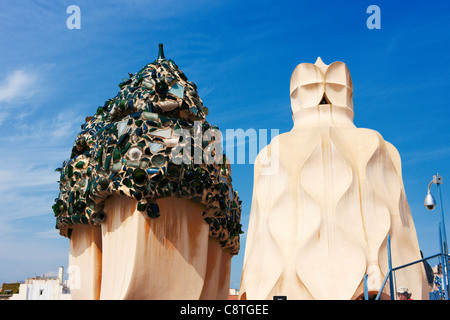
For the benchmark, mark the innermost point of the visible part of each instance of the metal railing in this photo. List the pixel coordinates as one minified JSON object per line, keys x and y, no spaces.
{"x":435,"y":286}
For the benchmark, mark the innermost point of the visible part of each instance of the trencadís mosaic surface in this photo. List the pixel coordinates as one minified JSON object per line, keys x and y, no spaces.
{"x":127,"y":148}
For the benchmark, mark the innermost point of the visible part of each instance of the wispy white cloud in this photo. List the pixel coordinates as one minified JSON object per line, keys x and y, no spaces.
{"x":33,"y":150}
{"x":419,"y":156}
{"x":50,"y":131}
{"x":19,"y":205}
{"x":48,"y":234}
{"x":23,"y":88}
{"x":18,"y":85}
{"x":23,"y":175}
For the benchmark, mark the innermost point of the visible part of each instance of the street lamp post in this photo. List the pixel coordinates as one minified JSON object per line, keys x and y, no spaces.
{"x":430,"y":203}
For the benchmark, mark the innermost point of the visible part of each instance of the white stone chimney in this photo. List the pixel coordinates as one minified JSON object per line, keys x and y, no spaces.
{"x":61,"y":274}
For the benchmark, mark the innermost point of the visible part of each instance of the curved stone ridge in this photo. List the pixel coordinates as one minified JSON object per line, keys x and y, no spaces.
{"x":127,"y":148}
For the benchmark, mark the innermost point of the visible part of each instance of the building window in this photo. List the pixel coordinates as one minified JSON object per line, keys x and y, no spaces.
{"x":41,"y":292}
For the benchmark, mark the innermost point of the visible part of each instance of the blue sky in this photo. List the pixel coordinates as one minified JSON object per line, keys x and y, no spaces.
{"x":241,"y":55}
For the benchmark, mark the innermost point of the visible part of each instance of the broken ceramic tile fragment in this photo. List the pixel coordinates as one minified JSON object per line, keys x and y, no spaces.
{"x":165,"y":133}
{"x":177,"y":90}
{"x":168,"y":105}
{"x":150,"y":115}
{"x":155,"y":147}
{"x":135,"y":153}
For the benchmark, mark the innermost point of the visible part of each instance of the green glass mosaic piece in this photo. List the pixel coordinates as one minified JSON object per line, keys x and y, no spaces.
{"x":103,"y":183}
{"x":79,"y":165}
{"x":127,"y":182}
{"x":141,"y":206}
{"x":125,"y":149}
{"x":70,"y":171}
{"x":108,"y":161}
{"x":116,"y":167}
{"x":158,"y":160}
{"x":116,"y":154}
{"x":139,"y":176}
{"x":161,"y":87}
{"x":153,"y":210}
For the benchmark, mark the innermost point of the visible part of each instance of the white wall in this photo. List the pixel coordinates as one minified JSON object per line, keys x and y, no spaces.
{"x":41,"y":289}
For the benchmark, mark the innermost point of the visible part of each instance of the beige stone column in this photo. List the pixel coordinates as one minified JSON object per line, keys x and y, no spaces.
{"x":144,"y":258}
{"x":132,"y":256}
{"x":85,"y":262}
{"x":326,"y":196}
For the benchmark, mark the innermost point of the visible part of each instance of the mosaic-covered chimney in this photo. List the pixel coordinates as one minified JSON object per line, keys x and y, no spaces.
{"x":148,"y":143}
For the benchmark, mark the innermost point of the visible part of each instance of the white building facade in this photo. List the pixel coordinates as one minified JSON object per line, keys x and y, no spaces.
{"x":43,"y":288}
